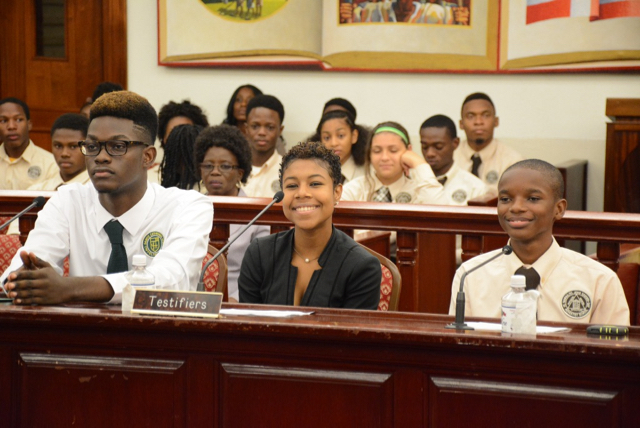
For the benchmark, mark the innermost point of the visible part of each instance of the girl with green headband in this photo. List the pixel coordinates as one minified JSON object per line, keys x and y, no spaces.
{"x":394,"y":172}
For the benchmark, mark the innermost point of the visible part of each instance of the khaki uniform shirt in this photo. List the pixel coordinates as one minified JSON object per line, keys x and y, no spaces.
{"x":496,"y":158}
{"x":351,"y":171}
{"x":421,"y":188}
{"x":35,"y":165}
{"x":264,"y":180}
{"x":573,"y":288}
{"x":461,"y":186}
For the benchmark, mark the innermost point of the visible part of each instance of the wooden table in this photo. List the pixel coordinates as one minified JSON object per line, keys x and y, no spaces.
{"x":93,"y":366}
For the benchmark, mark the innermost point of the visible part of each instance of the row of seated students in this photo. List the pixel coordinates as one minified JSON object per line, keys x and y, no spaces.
{"x":119,"y":151}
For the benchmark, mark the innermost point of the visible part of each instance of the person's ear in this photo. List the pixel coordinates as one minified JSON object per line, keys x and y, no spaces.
{"x":337,"y":192}
{"x":354,"y":136}
{"x":497,"y":122}
{"x":149,"y":156}
{"x":281,"y":129}
{"x":29,"y":125}
{"x":455,"y":143}
{"x":560,"y":208}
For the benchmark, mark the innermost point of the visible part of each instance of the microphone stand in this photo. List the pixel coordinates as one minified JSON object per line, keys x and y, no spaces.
{"x":37,"y":202}
{"x":459,"y":323}
{"x":276,"y":198}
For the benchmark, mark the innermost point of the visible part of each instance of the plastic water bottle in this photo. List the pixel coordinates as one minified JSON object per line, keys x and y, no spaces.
{"x":519,"y":308}
{"x":137,"y":278}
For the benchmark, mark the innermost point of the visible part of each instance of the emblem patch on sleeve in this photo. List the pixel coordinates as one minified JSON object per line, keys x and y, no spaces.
{"x":576,"y":304}
{"x":152,"y":243}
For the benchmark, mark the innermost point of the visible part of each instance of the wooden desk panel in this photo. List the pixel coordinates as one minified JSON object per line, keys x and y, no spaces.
{"x":93,"y":366}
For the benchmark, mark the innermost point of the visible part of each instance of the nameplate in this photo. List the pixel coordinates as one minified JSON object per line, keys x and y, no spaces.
{"x":181,"y":303}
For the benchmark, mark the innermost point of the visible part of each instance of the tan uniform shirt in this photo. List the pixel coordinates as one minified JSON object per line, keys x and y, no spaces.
{"x":496,"y":158}
{"x":351,"y":171}
{"x":35,"y":165}
{"x":462,"y":186}
{"x":421,"y":188}
{"x":264,"y":180}
{"x":573,"y":288}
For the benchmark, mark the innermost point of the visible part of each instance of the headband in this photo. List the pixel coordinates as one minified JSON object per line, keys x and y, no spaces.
{"x":396,"y":131}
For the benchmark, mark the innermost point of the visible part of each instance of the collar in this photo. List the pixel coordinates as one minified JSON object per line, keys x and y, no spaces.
{"x":395,"y":187}
{"x":81,"y":178}
{"x":485,"y":154}
{"x":133,"y":219}
{"x":27,"y":155}
{"x":273,"y":160}
{"x":453,"y":170}
{"x":545,"y":265}
{"x":349,"y":168}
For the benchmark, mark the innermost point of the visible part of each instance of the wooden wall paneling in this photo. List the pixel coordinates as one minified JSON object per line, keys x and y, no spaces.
{"x":13,"y":57}
{"x":114,"y":41}
{"x":438,"y":252}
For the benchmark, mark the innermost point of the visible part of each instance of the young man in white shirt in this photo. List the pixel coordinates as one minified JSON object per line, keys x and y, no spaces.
{"x":265,"y":114}
{"x":481,"y":154}
{"x":100,"y":226}
{"x":439,"y":140}
{"x":22,"y":163}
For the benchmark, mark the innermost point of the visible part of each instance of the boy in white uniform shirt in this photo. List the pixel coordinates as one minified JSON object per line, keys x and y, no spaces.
{"x":265,"y":114}
{"x":573,"y":287}
{"x":22,"y":163}
{"x":439,"y":141}
{"x":481,"y":154}
{"x":101,"y":225}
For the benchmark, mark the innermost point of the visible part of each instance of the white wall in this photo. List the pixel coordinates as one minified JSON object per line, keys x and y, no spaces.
{"x":555,"y":117}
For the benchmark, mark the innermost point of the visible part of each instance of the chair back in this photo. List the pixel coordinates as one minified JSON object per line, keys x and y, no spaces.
{"x":629,"y":275}
{"x":215,"y":278}
{"x":390,"y":285}
{"x":9,"y":246}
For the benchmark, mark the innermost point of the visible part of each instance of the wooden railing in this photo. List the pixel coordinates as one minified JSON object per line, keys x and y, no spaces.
{"x":425,"y":235}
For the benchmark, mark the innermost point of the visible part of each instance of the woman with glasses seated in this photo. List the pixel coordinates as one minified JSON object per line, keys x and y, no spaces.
{"x":223,"y":157}
{"x":177,"y":168}
{"x":313,"y":264}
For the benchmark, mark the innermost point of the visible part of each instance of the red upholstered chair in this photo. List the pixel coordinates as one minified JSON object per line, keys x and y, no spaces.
{"x":215,"y":278}
{"x":9,"y":246}
{"x":2,"y":221}
{"x":390,"y":285}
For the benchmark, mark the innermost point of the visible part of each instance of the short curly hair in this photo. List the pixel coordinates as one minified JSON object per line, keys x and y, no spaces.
{"x":266,"y":101}
{"x":185,"y":109}
{"x":551,"y":174}
{"x":226,"y":137}
{"x":316,"y":151}
{"x":74,"y":121}
{"x":127,"y":105}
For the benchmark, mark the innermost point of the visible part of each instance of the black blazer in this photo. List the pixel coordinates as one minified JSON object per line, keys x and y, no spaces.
{"x":349,"y":276}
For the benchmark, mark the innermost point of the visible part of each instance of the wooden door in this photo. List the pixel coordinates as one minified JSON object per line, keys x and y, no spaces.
{"x":55,"y":52}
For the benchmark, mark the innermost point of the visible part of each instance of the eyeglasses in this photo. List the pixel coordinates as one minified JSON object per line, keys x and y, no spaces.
{"x":223,"y":167}
{"x":113,"y":147}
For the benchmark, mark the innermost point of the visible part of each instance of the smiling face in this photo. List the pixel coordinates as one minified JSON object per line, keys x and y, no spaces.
{"x":216,"y":181}
{"x":65,"y":149}
{"x":240,"y":104}
{"x":336,"y":135}
{"x":527,"y":206}
{"x":437,"y":148}
{"x":119,"y":175}
{"x":263,"y":127}
{"x":14,"y":129}
{"x":309,"y":195}
{"x":478,"y":122}
{"x":386,"y":155}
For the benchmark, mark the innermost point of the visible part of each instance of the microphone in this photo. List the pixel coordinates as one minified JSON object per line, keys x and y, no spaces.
{"x":459,"y":324}
{"x":37,"y":202}
{"x":276,"y":198}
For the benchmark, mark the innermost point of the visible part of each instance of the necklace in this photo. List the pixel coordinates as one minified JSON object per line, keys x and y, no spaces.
{"x":306,"y":260}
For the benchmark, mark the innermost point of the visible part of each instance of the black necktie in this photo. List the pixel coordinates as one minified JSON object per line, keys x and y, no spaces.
{"x":532,"y":277}
{"x":442,"y":179}
{"x":118,"y":258}
{"x":476,"y":164}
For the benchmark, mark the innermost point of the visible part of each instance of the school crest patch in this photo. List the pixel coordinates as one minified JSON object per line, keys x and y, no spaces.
{"x":576,"y":304}
{"x":34,"y":171}
{"x":275,"y":186}
{"x":459,"y":196}
{"x":403,"y":198}
{"x":492,"y":177}
{"x":152,"y":243}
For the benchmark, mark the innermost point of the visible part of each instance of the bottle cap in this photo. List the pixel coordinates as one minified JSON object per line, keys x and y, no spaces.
{"x":518,"y":281}
{"x":139,"y":260}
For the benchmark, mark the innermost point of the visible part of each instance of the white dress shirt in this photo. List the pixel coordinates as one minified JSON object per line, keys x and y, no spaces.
{"x":264,"y":180}
{"x":421,"y":188}
{"x":169,"y":226}
{"x":573,"y":287}
{"x":496,"y":158}
{"x":34,"y":165}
